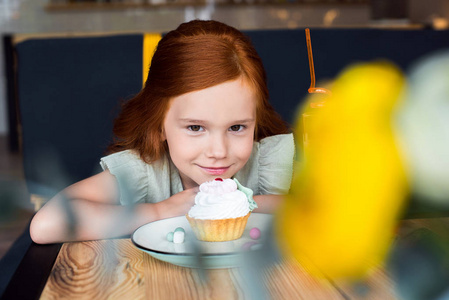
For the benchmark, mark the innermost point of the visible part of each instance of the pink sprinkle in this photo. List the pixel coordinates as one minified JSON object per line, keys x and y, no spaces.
{"x":254,"y":233}
{"x":218,"y":179}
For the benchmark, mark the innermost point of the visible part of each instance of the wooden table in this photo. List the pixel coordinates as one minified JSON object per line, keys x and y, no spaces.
{"x":116,"y":269}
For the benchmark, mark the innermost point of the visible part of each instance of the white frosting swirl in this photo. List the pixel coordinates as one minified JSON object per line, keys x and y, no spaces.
{"x":219,"y":200}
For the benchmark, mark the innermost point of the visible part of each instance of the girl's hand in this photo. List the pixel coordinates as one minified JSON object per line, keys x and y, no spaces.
{"x":177,"y":205}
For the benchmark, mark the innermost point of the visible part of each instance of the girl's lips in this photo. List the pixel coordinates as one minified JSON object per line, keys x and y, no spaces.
{"x":215,"y":171}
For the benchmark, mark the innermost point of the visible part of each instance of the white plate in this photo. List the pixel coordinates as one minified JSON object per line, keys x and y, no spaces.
{"x":152,"y":238}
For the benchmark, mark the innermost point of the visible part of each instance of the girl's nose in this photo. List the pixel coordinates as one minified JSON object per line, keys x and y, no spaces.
{"x":217,"y":146}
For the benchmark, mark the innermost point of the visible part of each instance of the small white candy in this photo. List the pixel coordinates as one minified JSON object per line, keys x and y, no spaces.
{"x":178,"y":237}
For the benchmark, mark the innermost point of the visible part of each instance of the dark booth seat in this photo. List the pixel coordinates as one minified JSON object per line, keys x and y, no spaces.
{"x":69,"y":90}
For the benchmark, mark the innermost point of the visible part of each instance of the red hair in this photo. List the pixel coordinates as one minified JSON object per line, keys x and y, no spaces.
{"x":195,"y":56}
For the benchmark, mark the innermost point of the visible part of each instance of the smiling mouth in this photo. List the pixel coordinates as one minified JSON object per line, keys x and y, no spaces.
{"x":215,"y":171}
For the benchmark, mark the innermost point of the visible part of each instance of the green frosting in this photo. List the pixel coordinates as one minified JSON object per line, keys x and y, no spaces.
{"x":249,"y":194}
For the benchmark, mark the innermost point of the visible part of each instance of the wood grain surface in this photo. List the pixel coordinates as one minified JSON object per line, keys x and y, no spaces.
{"x":116,"y":269}
{"x":106,"y":269}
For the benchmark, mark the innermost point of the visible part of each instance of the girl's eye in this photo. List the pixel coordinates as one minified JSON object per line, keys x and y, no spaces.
{"x":195,"y":128}
{"x":236,"y":127}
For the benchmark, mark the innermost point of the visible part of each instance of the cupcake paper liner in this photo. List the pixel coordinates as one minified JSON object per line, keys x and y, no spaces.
{"x":219,"y":230}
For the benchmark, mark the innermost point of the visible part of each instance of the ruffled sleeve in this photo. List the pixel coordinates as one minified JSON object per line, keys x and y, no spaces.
{"x":276,"y":155}
{"x":138,"y":181}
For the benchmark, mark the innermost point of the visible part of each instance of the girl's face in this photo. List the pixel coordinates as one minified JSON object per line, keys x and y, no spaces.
{"x":210,"y":132}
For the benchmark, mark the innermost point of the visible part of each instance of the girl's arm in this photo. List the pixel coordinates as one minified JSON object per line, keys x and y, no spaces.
{"x":267,"y":204}
{"x":90,"y":210}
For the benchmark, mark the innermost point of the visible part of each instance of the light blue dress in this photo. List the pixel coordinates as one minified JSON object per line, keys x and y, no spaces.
{"x":268,"y":171}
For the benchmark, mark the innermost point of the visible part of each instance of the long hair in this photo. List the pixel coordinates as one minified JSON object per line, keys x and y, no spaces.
{"x":195,"y":56}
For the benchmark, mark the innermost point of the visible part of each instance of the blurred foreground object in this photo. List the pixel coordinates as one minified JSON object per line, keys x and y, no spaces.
{"x":349,"y":189}
{"x":424,"y":129}
{"x":419,"y":263}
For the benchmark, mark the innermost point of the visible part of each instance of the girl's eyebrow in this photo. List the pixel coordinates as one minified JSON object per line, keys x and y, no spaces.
{"x":187,"y":120}
{"x":244,"y":121}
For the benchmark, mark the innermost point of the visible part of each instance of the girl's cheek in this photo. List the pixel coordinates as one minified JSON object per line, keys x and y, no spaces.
{"x":191,"y":144}
{"x":244,"y":149}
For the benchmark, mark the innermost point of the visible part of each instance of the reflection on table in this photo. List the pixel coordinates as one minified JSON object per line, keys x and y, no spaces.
{"x":116,"y":269}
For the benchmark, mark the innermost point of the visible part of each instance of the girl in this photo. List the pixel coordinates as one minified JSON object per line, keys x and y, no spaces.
{"x":203,"y":113}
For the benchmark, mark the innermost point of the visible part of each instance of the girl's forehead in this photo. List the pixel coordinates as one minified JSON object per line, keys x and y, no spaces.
{"x":234,"y":96}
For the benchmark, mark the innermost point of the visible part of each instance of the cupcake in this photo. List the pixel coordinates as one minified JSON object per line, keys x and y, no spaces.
{"x":222,"y":208}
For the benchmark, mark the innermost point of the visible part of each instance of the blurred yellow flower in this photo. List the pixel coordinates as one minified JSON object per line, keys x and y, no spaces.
{"x":350,"y":185}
